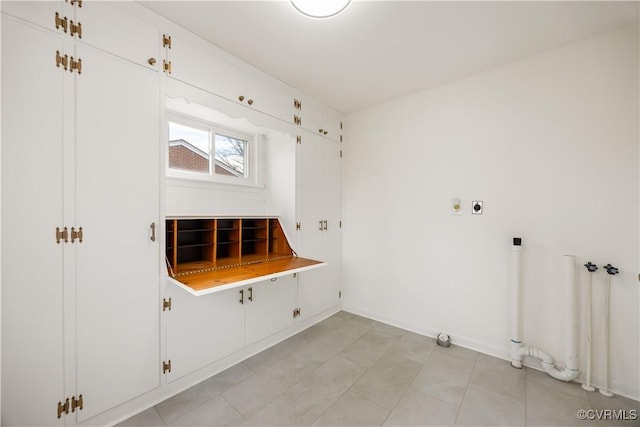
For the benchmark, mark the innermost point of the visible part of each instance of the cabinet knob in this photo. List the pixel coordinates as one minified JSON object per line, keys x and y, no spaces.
{"x":325,"y":132}
{"x":320,"y":130}
{"x":241,"y":98}
{"x":151,"y":61}
{"x":250,"y":102}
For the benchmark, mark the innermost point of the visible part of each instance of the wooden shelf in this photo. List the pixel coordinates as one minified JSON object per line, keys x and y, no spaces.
{"x":209,"y":254}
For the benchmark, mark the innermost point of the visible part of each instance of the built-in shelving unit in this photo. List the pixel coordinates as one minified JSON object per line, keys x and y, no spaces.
{"x":205,"y":255}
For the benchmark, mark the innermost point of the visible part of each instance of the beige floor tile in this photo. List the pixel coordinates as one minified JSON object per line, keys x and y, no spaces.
{"x":542,"y":378}
{"x":323,"y":348}
{"x":615,"y":411}
{"x":354,"y":327}
{"x":215,"y":412}
{"x":547,"y":406}
{"x":266,"y":358}
{"x":387,"y":380}
{"x":457,"y":352}
{"x":321,"y":328}
{"x":388,"y":330}
{"x":445,"y":378}
{"x":148,"y":418}
{"x":413,"y":346}
{"x":416,"y":408}
{"x":353,"y":410}
{"x":181,"y":403}
{"x":262,"y":388}
{"x":482,"y":407}
{"x":319,"y":390}
{"x":499,"y":376}
{"x":283,"y":411}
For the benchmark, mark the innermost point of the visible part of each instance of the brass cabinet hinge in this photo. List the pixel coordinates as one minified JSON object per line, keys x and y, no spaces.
{"x":166,"y":304}
{"x":63,"y":408}
{"x":67,"y":63}
{"x":62,"y":235}
{"x":297,"y":120}
{"x":166,"y":41}
{"x":298,"y":226}
{"x":77,"y":403}
{"x":296,"y":312}
{"x":76,"y":234}
{"x":297,"y":104}
{"x":75,"y":29}
{"x":166,"y":66}
{"x":73,"y":2}
{"x":62,"y":60}
{"x":75,"y":65}
{"x":166,"y":366}
{"x":299,"y":139}
{"x":61,"y":22}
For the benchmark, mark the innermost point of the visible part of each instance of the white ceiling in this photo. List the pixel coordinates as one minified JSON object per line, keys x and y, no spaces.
{"x":377,"y":51}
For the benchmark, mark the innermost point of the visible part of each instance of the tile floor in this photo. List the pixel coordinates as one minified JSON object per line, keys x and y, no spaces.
{"x":351,"y":371}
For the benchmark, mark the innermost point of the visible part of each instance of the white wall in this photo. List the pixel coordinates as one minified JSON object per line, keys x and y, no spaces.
{"x":550,"y":144}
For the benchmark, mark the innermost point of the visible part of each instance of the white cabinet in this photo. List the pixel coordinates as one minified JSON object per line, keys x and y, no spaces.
{"x":204,"y":329}
{"x":113,"y":30}
{"x":197,"y":66}
{"x":33,"y":289}
{"x":100,"y":24}
{"x":269,"y":307}
{"x":319,"y":200}
{"x":42,"y":13}
{"x":117,"y":200}
{"x":201,"y":330}
{"x":319,"y":120}
{"x":80,"y":316}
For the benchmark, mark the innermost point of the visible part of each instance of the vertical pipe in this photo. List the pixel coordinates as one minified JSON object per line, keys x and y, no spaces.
{"x":587,"y":386}
{"x":516,"y":330}
{"x":572,"y":311}
{"x":605,"y":389}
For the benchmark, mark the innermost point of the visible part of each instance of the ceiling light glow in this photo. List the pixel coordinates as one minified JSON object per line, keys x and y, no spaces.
{"x":320,"y":8}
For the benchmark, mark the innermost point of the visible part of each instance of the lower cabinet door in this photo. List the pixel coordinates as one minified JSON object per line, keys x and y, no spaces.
{"x":318,"y":291}
{"x":270,"y":309}
{"x":202,"y":329}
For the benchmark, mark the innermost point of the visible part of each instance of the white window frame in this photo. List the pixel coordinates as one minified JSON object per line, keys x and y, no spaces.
{"x":251,"y":178}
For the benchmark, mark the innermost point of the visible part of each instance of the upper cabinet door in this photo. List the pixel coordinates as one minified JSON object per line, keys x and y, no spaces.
{"x":200,"y":67}
{"x":318,"y":119}
{"x":105,"y":26}
{"x":51,"y":15}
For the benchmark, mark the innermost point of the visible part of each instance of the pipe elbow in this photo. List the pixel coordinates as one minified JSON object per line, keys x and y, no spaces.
{"x":564,"y":375}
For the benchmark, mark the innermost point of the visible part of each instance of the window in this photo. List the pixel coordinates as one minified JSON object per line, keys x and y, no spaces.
{"x":203,"y":151}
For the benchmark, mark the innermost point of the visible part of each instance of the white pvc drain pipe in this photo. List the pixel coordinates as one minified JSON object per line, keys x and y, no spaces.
{"x":518,"y":349}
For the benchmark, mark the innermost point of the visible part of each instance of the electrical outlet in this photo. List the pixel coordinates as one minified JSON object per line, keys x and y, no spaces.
{"x":477,"y":207}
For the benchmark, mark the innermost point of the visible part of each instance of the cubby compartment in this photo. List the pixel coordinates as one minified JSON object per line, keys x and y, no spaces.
{"x":205,"y":253}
